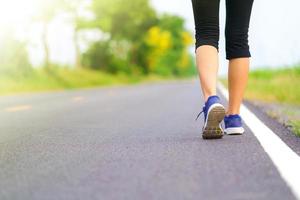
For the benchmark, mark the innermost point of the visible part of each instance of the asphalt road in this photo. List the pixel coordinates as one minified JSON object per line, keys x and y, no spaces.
{"x":134,"y":142}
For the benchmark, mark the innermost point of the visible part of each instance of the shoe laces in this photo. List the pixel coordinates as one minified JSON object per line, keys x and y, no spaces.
{"x":200,"y":113}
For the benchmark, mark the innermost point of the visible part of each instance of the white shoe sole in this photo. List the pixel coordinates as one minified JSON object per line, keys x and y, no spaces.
{"x":234,"y":131}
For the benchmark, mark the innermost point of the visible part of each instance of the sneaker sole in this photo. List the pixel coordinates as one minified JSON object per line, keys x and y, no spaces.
{"x":212,"y":129}
{"x":234,"y":131}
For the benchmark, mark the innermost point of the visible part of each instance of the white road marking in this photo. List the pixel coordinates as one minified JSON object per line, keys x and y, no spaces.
{"x":18,"y":108}
{"x":283,"y":157}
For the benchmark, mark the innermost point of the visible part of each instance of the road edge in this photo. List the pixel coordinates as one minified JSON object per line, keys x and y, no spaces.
{"x":284,"y":158}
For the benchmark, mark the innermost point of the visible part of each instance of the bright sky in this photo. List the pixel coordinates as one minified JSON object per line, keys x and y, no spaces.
{"x":274,"y":31}
{"x":21,"y":11}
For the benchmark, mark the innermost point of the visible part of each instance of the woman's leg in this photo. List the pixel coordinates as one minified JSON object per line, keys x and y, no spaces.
{"x":237,"y":50}
{"x":207,"y":63}
{"x":206,"y":15}
{"x":237,"y":81}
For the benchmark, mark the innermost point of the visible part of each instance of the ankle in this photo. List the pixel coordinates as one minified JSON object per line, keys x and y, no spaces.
{"x":206,"y":97}
{"x":232,"y":113}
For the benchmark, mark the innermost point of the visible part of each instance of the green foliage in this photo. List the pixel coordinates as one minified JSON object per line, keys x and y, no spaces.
{"x":140,"y":41}
{"x":296,"y":127}
{"x":167,"y":46}
{"x":277,"y":85}
{"x":98,"y":56}
{"x":137,"y":42}
{"x":124,"y":19}
{"x":101,"y":56}
{"x":175,"y":25}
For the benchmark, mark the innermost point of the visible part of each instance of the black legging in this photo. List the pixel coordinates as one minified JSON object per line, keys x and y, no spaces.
{"x":238,"y":12}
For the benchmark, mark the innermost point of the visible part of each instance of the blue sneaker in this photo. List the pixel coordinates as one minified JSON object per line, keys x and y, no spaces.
{"x":214,"y":113}
{"x":233,"y":125}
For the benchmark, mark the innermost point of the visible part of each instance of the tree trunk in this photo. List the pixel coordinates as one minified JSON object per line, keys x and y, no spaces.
{"x":45,"y":45}
{"x":77,"y":49}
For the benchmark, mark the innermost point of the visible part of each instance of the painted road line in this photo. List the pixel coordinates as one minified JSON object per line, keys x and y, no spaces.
{"x":111,"y":93}
{"x":78,"y":99}
{"x":283,"y":157}
{"x":18,"y":108}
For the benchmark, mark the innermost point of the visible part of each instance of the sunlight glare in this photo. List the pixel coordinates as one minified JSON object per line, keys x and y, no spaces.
{"x":16,"y":12}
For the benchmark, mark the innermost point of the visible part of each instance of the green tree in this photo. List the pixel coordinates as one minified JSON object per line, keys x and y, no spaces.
{"x":166,"y":45}
{"x":98,"y":56}
{"x":139,"y":41}
{"x":124,"y":20}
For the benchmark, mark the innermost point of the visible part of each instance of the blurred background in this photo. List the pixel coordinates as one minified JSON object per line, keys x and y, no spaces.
{"x":61,"y":44}
{"x":75,"y":43}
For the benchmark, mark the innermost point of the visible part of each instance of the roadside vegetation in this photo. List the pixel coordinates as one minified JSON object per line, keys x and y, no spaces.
{"x":61,"y":78}
{"x":280,"y":87}
{"x":135,"y":43}
{"x":275,"y":85}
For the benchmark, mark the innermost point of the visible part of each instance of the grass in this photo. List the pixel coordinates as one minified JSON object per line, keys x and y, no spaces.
{"x":296,"y":127}
{"x":275,"y":86}
{"x":65,"y":78}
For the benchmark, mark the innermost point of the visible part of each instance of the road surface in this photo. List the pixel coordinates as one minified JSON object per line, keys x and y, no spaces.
{"x":131,"y":142}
